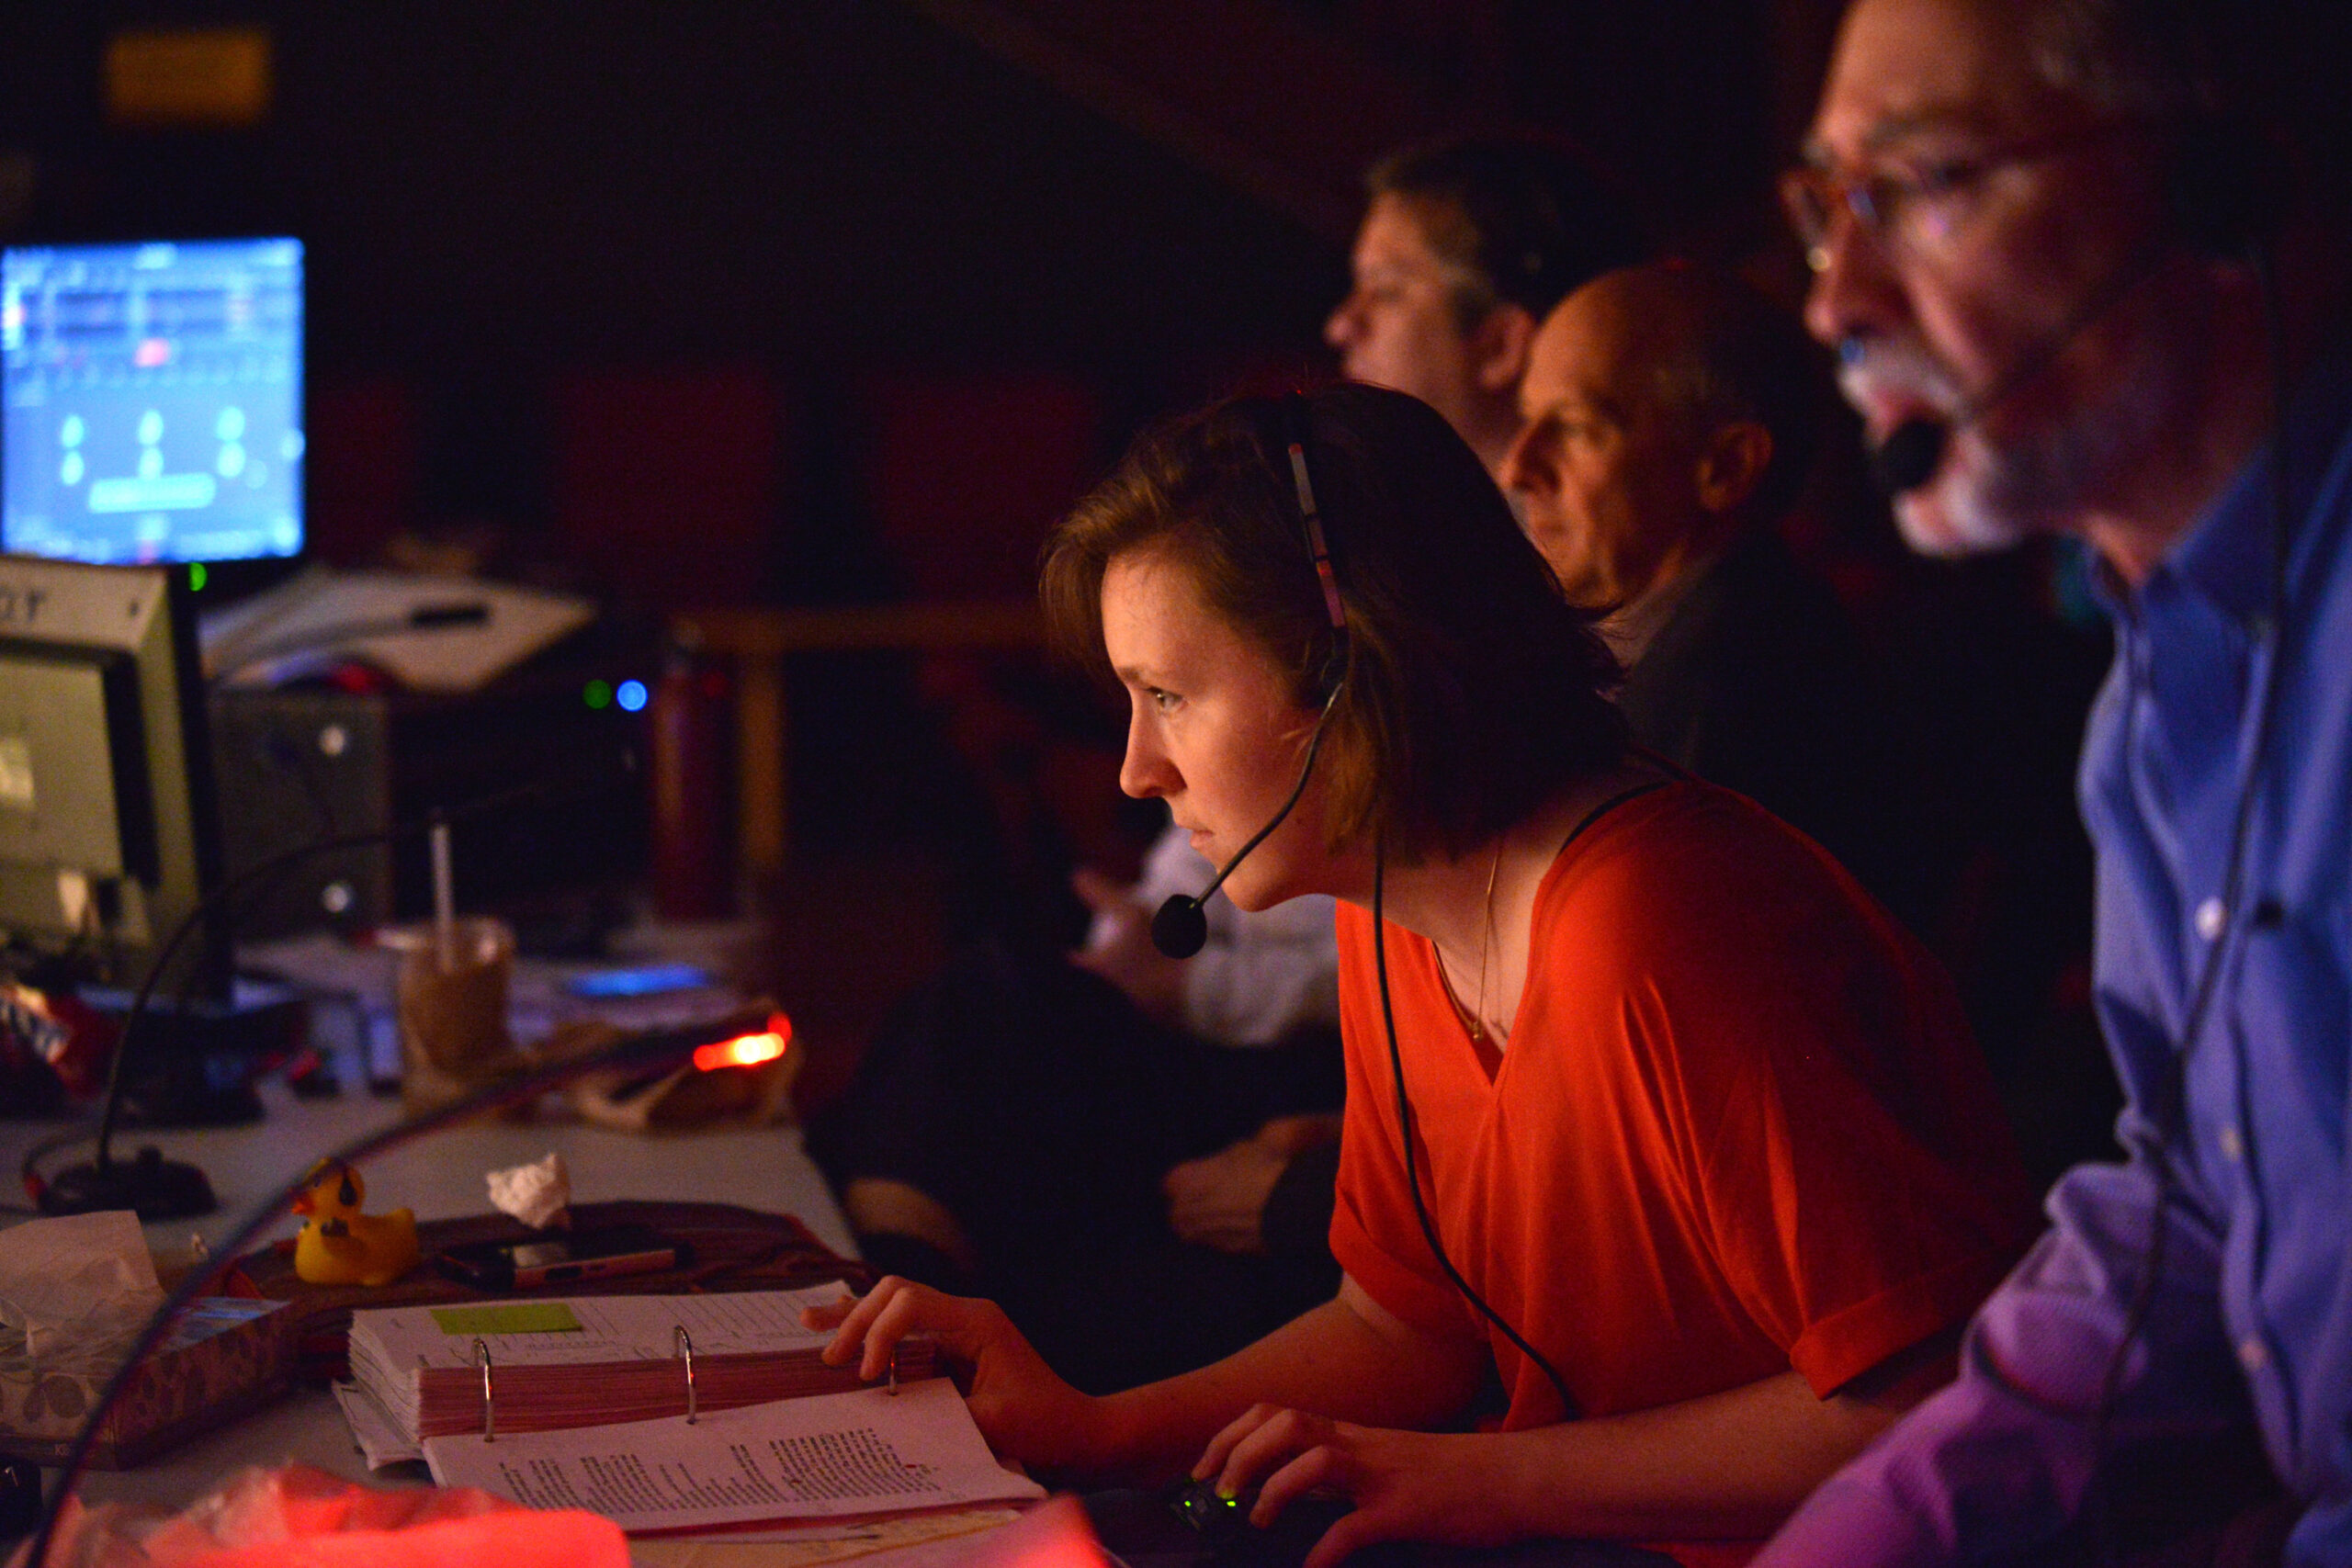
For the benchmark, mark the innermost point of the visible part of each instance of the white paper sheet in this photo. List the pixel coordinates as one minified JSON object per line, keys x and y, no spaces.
{"x":380,"y":1437}
{"x":830,"y":1456}
{"x":321,"y":614}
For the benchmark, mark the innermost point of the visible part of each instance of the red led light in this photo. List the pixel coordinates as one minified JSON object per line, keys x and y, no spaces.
{"x":747,"y":1050}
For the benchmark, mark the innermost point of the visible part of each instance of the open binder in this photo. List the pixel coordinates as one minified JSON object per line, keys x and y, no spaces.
{"x":671,"y":1413}
{"x":541,"y":1364}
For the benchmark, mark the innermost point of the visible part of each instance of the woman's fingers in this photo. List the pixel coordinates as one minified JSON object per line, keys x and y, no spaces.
{"x":1321,"y":1467}
{"x":1213,"y":1458}
{"x":868,"y":1329}
{"x":1282,"y":1436}
{"x":828,"y":1314}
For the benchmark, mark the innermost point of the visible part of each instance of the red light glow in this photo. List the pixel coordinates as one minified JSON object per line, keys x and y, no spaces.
{"x":151,"y":352}
{"x":747,"y":1050}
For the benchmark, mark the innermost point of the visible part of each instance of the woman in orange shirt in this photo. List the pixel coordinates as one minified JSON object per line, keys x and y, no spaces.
{"x":1649,"y":1109}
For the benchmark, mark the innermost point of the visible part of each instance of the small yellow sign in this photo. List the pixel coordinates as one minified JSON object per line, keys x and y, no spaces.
{"x":195,"y":77}
{"x":508,"y":1318}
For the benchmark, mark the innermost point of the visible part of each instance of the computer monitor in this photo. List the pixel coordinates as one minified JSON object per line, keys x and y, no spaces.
{"x":108,"y":828}
{"x":150,"y":403}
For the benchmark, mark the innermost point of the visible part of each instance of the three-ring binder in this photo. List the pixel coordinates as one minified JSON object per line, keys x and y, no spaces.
{"x":681,"y":1348}
{"x":489,"y":1394}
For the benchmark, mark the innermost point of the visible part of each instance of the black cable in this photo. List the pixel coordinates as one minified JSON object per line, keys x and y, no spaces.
{"x":641,"y":1053}
{"x":2169,"y":1112}
{"x":262,"y":871}
{"x":1568,"y":1406}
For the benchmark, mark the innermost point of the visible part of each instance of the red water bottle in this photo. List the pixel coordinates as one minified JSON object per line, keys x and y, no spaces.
{"x":694,"y":873}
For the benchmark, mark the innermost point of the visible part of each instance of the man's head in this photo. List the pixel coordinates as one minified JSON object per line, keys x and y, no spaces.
{"x":1464,"y":248}
{"x":2028,"y":221}
{"x":1665,"y":408}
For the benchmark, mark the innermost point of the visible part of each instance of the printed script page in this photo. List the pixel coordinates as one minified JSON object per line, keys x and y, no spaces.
{"x":830,"y":1456}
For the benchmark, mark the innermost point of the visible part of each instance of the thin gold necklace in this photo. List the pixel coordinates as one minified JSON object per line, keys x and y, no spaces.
{"x":1486,"y":941}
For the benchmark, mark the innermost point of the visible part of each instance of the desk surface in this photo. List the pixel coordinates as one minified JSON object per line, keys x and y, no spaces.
{"x":438,"y":1177}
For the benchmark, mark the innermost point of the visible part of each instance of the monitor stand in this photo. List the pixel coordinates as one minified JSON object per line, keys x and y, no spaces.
{"x":195,"y":1069}
{"x":147,"y":1183}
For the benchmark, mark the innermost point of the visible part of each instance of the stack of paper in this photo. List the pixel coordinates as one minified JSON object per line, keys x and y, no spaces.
{"x":594,"y":1360}
{"x":834,"y":1457}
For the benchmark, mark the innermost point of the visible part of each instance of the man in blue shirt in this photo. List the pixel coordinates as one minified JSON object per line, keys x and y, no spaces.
{"x":2043,"y":233}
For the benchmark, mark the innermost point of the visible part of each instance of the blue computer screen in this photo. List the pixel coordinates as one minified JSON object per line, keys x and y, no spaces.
{"x":151,"y":400}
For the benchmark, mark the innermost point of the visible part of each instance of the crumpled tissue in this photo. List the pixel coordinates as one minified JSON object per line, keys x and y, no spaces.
{"x":537,"y":1194}
{"x":83,"y":1283}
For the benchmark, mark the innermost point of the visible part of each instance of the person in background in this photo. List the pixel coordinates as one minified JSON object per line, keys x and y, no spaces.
{"x":1465,"y":245}
{"x":1698,"y":1125}
{"x":2084,"y":265}
{"x":1669,"y":418}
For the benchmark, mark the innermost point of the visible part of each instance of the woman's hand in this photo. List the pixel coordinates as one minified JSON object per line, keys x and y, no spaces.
{"x":1405,"y":1486}
{"x":1025,"y":1412}
{"x":1219,"y":1200}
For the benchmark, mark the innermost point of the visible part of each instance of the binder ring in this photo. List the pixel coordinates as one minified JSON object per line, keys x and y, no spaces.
{"x":489,"y":1394}
{"x":682,"y":1344}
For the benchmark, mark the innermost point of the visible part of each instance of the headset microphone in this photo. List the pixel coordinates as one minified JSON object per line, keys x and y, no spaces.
{"x":1909,"y":456}
{"x":1914,"y":449}
{"x":1181,"y":927}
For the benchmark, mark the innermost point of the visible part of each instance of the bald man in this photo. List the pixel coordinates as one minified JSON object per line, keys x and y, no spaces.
{"x":1669,"y":418}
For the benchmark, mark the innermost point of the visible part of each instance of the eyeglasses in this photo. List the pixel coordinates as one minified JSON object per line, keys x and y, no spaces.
{"x":1911,"y":210}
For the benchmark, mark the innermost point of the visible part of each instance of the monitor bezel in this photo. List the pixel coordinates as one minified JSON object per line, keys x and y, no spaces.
{"x":213,"y":582}
{"x":177,"y":745}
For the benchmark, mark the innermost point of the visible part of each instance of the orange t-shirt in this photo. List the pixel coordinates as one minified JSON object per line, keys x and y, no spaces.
{"x":1741,"y":1126}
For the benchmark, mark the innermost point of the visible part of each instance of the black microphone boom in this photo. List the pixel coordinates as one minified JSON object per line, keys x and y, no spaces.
{"x":1181,"y":927}
{"x":1909,"y":456}
{"x":1914,"y":449}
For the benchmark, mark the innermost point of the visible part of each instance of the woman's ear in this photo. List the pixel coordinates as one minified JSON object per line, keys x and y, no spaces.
{"x":1731,"y":465}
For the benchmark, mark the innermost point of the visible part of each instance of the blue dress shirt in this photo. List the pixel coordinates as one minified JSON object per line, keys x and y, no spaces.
{"x":2238,"y":1140}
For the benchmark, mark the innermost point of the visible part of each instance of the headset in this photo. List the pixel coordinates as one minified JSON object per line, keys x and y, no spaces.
{"x":1179,"y":929}
{"x":2224,"y":193}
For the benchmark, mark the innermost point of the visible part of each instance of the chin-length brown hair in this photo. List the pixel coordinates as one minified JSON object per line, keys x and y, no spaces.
{"x":1472,"y":692}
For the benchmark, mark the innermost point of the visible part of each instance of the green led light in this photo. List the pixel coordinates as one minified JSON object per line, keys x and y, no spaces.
{"x":197,"y":577}
{"x":597,"y":694}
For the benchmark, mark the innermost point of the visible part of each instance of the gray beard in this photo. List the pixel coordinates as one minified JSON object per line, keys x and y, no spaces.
{"x":1993,"y":497}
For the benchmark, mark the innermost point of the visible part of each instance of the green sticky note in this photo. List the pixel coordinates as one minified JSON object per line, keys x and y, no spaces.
{"x":508,"y":1318}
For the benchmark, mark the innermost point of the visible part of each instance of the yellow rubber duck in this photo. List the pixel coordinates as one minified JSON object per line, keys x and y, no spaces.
{"x":340,"y":1246}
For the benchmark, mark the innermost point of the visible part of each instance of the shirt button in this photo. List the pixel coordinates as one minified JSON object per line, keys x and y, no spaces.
{"x":2252,"y":1356}
{"x":2212,"y":917}
{"x":2232,"y":1146}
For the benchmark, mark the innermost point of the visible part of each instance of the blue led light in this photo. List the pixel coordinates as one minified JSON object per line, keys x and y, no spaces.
{"x":630,"y":695}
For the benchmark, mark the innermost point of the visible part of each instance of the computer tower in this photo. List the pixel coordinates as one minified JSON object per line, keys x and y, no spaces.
{"x":542,"y":790}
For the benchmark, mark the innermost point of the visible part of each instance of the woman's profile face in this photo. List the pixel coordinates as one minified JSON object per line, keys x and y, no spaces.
{"x":1212,"y":730}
